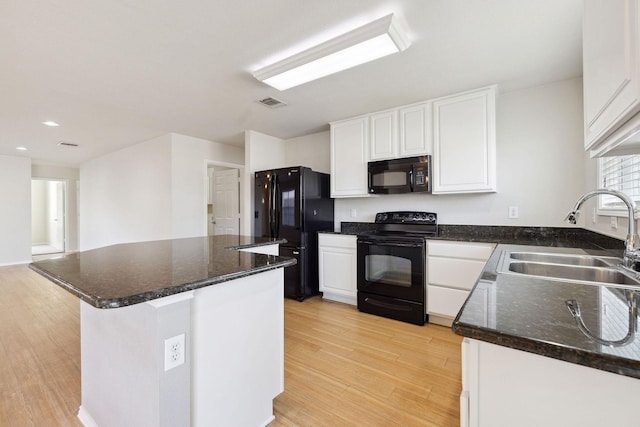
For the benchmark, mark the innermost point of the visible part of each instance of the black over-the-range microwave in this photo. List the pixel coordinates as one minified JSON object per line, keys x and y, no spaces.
{"x":407,"y":175}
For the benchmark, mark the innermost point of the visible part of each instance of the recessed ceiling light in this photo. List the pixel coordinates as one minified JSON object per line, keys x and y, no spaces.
{"x":50,"y":123}
{"x":21,"y":148}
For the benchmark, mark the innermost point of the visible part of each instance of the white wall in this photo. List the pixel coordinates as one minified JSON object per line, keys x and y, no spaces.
{"x":70,"y":176}
{"x":540,"y":166}
{"x":190,"y":157}
{"x":125,"y":196}
{"x":149,"y":191}
{"x":15,"y":214}
{"x":313,"y":151}
{"x":38,"y":212}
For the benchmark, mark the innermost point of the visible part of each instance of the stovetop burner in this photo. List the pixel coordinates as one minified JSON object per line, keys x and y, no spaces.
{"x":405,"y":225}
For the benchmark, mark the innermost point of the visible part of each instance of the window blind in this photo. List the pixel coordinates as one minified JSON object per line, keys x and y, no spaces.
{"x":621,"y":173}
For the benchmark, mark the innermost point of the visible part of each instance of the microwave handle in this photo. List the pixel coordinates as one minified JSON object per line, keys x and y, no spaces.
{"x":411,"y":178}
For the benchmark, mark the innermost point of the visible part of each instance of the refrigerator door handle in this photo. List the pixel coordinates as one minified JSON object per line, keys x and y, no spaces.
{"x":272,"y":204}
{"x":276,"y":206}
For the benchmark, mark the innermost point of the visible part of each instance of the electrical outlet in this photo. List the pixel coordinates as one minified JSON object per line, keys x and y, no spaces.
{"x":174,"y":352}
{"x":354,"y":213}
{"x":614,"y":222}
{"x":513,"y":212}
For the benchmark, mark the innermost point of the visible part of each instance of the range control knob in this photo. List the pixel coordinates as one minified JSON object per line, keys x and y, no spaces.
{"x":432,"y":218}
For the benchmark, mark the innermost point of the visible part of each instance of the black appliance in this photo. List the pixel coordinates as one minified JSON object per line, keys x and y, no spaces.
{"x":294,"y":204}
{"x":407,"y":175}
{"x":392,"y":266}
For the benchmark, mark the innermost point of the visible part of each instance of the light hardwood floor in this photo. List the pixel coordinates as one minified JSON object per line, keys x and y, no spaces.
{"x":342,"y":367}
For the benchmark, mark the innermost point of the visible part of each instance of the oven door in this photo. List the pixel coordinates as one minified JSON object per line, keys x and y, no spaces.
{"x":394,"y":269}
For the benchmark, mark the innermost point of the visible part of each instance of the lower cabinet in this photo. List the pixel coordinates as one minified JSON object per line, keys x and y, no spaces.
{"x":506,"y":387}
{"x":337,"y":267}
{"x":452,"y":270}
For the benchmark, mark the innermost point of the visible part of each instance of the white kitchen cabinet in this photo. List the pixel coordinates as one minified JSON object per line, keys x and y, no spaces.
{"x":416,"y":135}
{"x":464,"y":142}
{"x":349,"y":140}
{"x":337,"y":267}
{"x":611,"y":76}
{"x":452,"y":270}
{"x":383,"y":135}
{"x":401,"y":132}
{"x":506,"y":387}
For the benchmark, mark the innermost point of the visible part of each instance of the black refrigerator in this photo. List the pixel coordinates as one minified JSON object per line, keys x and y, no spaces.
{"x":294,"y":204}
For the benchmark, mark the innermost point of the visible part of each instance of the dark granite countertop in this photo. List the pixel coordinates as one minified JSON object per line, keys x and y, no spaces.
{"x":530,"y":314}
{"x":131,"y":273}
{"x":570,"y":237}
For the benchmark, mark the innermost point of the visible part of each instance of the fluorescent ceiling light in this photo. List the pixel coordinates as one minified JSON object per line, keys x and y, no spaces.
{"x":50,"y":123}
{"x":21,"y":148}
{"x":371,"y":41}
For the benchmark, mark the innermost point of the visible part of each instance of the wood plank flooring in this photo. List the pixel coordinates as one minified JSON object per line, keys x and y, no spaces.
{"x":342,"y":367}
{"x":346,"y":368}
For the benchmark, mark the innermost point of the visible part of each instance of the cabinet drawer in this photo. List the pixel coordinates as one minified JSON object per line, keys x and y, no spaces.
{"x":346,"y":241}
{"x":444,"y":301}
{"x":454,"y":273}
{"x":467,"y":250}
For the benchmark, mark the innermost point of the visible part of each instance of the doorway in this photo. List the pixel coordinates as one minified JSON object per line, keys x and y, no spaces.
{"x":47,"y":216}
{"x":223,"y":204}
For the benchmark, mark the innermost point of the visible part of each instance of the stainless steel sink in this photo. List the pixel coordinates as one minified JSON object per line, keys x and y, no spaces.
{"x":605,"y":275}
{"x":573,"y":268}
{"x":565,"y":259}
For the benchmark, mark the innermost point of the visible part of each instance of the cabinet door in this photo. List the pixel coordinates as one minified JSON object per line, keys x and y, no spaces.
{"x":383,"y":135}
{"x":610,"y":67}
{"x":415,"y":130}
{"x":337,"y":267}
{"x":464,"y":143}
{"x":349,"y":158}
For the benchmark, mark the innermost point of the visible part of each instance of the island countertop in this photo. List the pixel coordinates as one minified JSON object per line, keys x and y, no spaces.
{"x":132,"y":273}
{"x":530,"y":314}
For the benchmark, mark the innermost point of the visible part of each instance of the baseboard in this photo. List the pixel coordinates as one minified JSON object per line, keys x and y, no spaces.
{"x":85,"y":418}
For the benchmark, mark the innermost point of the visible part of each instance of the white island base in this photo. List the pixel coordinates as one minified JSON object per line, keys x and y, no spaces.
{"x":233,"y":357}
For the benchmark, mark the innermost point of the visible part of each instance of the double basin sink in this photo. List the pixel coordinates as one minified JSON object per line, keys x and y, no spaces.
{"x":567,"y":267}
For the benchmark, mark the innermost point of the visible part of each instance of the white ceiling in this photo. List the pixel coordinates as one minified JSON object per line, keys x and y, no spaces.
{"x":117,"y":72}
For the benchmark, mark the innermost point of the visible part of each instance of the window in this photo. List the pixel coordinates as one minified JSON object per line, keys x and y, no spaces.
{"x":621,"y":173}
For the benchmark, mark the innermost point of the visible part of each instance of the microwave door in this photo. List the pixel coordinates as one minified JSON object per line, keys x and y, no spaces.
{"x":392,"y":179}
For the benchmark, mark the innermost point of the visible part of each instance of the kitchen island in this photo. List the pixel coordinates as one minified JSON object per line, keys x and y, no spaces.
{"x":178,"y":332}
{"x":527,"y":362}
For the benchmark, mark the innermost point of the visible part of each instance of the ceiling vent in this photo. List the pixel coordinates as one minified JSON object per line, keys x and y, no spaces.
{"x":67,"y":144}
{"x":272,"y":102}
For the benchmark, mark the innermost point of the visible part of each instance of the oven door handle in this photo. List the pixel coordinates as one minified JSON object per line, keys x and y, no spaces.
{"x":394,"y":244}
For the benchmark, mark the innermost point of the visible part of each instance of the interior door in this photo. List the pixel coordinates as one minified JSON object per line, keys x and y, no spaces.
{"x":226,"y":202}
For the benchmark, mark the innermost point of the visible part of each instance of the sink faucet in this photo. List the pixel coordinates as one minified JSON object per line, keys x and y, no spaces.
{"x":631,"y":257}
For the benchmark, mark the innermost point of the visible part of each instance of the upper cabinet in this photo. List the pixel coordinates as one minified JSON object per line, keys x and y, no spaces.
{"x":464,"y":142}
{"x":458,"y":131}
{"x":383,"y":131}
{"x":415,"y":129}
{"x":401,"y":132}
{"x":349,"y":156}
{"x":611,"y":76}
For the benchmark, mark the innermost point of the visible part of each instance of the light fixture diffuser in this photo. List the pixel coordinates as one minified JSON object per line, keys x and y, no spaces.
{"x":371,"y":41}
